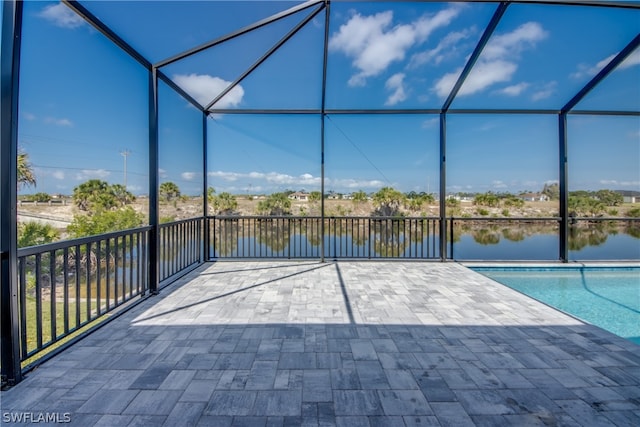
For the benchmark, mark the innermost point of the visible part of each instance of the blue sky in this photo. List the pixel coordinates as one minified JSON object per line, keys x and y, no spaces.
{"x":83,"y":103}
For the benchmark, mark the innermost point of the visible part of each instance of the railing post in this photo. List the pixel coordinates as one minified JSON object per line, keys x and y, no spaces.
{"x":451,"y":239}
{"x":10,"y":368}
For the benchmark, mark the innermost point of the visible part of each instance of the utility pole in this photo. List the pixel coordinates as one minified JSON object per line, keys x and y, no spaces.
{"x":125,"y":154}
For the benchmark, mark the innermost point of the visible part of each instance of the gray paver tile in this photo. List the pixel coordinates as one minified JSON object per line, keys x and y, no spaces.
{"x":185,"y":414}
{"x":404,"y":402}
{"x":231,"y":403}
{"x":108,"y":402}
{"x":198,"y":391}
{"x":371,"y":375}
{"x":147,"y":421}
{"x":451,"y":414}
{"x":278,"y":403}
{"x":215,"y":349}
{"x":421,"y":421}
{"x":484,"y":402}
{"x":114,"y":420}
{"x":357,"y":402}
{"x":153,"y":402}
{"x":177,"y":379}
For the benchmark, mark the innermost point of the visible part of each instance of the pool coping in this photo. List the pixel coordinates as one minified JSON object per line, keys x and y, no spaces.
{"x":477,"y":268}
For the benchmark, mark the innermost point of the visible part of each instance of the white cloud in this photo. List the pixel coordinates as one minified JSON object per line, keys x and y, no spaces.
{"x":355,"y":183}
{"x":586,"y":70}
{"x":429,"y":123}
{"x":509,"y":44}
{"x":498,"y":184}
{"x":61,"y":16}
{"x":546,"y":91}
{"x":162,"y":173}
{"x":305,"y":180}
{"x":58,"y":122}
{"x":514,"y":90}
{"x":28,"y":116}
{"x":395,"y":83}
{"x":56,"y":173}
{"x":204,"y":89}
{"x":227,"y":176}
{"x":373,"y":44}
{"x":446,"y":47}
{"x":632,"y":60}
{"x":271,"y":177}
{"x":92,"y":174}
{"x":496,"y":64}
{"x":620,"y":183}
{"x":189,"y":176}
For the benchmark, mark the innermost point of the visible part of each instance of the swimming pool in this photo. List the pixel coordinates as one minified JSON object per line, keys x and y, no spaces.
{"x":603,"y":296}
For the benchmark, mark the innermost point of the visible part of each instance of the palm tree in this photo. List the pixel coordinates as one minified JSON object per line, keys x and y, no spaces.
{"x":25,"y":171}
{"x":169,"y":191}
{"x":388,"y":201}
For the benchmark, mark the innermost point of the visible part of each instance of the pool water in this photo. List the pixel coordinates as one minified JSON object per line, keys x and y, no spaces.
{"x":605,"y":297}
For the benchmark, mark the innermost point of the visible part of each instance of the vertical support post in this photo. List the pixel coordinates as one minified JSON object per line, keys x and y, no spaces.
{"x":154,"y":207}
{"x":205,"y":181}
{"x":327,"y":13}
{"x":322,"y":118}
{"x":11,"y":371}
{"x":443,"y":187}
{"x":564,"y":193}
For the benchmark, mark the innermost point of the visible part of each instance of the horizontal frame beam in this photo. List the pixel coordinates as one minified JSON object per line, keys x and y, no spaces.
{"x":425,"y":111}
{"x":594,"y":3}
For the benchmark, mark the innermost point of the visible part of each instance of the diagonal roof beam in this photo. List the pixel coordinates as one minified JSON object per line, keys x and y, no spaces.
{"x":254,"y":26}
{"x":612,"y":65}
{"x":162,"y":76}
{"x":265,"y":56}
{"x":110,"y":34}
{"x":495,"y":19}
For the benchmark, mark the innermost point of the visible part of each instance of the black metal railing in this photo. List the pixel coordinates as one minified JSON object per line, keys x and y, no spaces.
{"x":181,"y":247}
{"x":310,"y":237}
{"x":67,"y":285}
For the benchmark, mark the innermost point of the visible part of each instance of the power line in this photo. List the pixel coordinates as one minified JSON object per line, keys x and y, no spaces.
{"x":359,"y":150}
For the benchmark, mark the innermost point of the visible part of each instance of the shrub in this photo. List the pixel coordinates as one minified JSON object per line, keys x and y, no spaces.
{"x":33,"y":233}
{"x":633,"y":213}
{"x":104,"y":222}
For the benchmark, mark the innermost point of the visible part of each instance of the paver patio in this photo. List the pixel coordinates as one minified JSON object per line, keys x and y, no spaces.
{"x":338,"y":343}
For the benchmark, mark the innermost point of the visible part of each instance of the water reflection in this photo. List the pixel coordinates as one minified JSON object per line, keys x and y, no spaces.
{"x":413,"y":237}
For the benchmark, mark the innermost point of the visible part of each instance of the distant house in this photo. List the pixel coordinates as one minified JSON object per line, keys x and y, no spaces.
{"x":534,"y":197}
{"x":299,"y":196}
{"x":629,"y":196}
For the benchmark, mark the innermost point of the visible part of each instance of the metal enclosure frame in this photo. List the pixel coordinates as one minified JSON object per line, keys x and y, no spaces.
{"x":10,"y":68}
